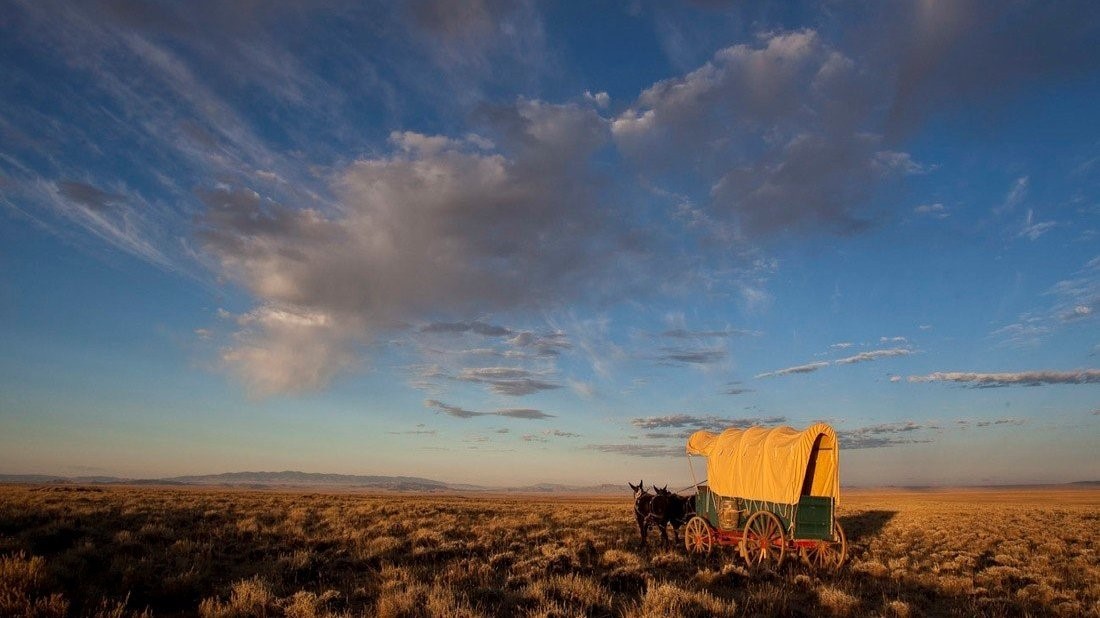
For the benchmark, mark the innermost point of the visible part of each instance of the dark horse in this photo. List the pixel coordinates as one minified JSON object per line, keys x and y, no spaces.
{"x":660,"y":509}
{"x":642,"y":501}
{"x":668,"y":508}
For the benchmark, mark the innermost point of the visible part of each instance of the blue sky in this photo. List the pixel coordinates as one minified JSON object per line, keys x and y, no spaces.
{"x":504,"y":243}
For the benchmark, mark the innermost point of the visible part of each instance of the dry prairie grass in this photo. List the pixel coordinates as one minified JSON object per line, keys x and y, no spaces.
{"x":115,"y":552}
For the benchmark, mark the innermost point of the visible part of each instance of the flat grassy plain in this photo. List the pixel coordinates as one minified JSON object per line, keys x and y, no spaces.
{"x":128,"y":551}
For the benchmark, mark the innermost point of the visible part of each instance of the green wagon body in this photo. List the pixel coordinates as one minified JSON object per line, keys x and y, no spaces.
{"x":810,"y":518}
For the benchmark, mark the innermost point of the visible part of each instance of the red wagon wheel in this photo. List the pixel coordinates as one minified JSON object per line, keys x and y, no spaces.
{"x":763,"y":542}
{"x":698,"y":539}
{"x":827,"y":554}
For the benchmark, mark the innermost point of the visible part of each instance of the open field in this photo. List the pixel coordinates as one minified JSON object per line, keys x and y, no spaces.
{"x":118,"y":551}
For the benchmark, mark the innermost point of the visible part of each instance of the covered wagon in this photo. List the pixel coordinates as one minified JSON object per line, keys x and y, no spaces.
{"x":768,"y":492}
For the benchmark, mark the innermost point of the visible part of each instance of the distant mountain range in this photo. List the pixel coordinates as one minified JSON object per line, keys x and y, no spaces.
{"x":291,"y":478}
{"x":313,"y":479}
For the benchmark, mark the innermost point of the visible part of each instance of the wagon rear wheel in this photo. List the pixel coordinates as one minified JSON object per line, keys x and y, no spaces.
{"x":827,"y":555}
{"x":763,"y":542}
{"x":698,"y":538}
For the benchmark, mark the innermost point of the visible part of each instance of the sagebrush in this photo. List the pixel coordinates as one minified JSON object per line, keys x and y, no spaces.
{"x":118,"y":551}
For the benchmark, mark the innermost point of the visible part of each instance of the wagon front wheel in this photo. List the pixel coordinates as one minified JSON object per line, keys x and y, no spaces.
{"x":763,"y":542}
{"x":827,"y":555}
{"x":698,"y":539}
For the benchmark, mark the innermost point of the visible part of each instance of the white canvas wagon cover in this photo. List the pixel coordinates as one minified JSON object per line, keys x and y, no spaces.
{"x":774,"y":464}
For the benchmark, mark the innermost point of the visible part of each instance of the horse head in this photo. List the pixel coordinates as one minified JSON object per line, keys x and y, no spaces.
{"x":639,"y":489}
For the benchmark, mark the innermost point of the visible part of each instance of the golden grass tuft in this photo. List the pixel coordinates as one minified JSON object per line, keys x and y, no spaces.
{"x":21,"y":588}
{"x":837,"y":601}
{"x":249,"y":597}
{"x":666,"y":599}
{"x":898,"y":609}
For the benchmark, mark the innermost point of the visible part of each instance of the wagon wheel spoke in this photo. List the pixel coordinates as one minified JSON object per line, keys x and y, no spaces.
{"x":697,"y":536}
{"x":763,"y":540}
{"x":816,"y":554}
{"x":827,"y":554}
{"x":821,"y":554}
{"x":841,"y":546}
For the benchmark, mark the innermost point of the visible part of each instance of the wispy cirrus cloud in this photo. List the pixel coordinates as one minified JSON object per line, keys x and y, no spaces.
{"x":986,"y":423}
{"x":481,"y":328}
{"x":426,"y":377}
{"x":884,"y":435}
{"x":543,"y":345}
{"x":91,"y":197}
{"x":1075,"y":302}
{"x":170,"y":129}
{"x":1077,"y":298}
{"x":1033,"y":229}
{"x":1078,"y":312}
{"x":1021,"y":378}
{"x":584,"y":389}
{"x":458,"y":412}
{"x":697,"y":347}
{"x":936,"y":211}
{"x":513,"y":381}
{"x":121,"y":219}
{"x":505,"y":342}
{"x":640,"y":450}
{"x":421,"y":430}
{"x":683,"y":434}
{"x":690,"y":356}
{"x":863,"y":357}
{"x":683,"y":333}
{"x":1016,"y":195}
{"x":525,"y":413}
{"x":452,"y":410}
{"x":807,"y":368}
{"x":1028,"y":330}
{"x":547,"y":435}
{"x":702,"y":421}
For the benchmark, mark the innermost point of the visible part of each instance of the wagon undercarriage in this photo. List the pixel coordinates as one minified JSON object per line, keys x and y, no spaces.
{"x":765,"y":545}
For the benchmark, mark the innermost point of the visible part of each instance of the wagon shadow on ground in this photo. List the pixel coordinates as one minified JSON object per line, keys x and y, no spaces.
{"x":795,"y":590}
{"x":865,"y":525}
